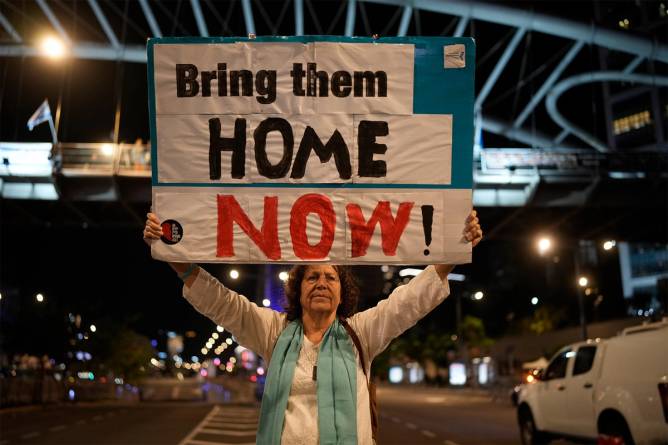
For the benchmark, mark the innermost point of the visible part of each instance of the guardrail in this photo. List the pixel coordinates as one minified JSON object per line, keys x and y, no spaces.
{"x":102,"y":159}
{"x":40,"y":160}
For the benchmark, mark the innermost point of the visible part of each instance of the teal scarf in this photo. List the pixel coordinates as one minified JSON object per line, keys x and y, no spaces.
{"x":336,"y":386}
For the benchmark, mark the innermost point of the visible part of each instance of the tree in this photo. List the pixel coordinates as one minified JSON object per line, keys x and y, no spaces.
{"x":544,"y":319}
{"x":473,"y":332}
{"x":129,"y":355}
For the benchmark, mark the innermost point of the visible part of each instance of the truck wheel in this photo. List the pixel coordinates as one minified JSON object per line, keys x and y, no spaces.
{"x":616,"y":432}
{"x":528,"y":432}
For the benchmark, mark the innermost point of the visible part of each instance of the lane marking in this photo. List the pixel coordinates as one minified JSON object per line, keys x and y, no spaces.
{"x":410,"y":426}
{"x":428,"y":433}
{"x":57,"y":428}
{"x":30,"y":435}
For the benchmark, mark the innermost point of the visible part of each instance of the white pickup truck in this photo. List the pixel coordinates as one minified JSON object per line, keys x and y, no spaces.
{"x":614,"y":391}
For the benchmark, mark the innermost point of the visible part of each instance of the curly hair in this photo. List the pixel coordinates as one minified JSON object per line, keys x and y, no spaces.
{"x":350,"y":292}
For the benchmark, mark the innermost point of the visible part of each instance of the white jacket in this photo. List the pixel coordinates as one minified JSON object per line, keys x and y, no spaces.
{"x":258,"y":328}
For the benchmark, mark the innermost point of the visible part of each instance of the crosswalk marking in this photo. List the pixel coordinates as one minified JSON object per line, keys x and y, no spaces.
{"x":428,"y":433}
{"x":229,"y":420}
{"x":208,"y":442}
{"x":233,"y":426}
{"x":226,"y":432}
{"x":225,"y":422}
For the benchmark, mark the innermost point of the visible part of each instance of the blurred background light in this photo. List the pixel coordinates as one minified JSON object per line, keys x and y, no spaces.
{"x":52,"y":47}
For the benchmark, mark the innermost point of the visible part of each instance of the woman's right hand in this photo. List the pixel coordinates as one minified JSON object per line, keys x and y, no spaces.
{"x":152,"y":229}
{"x":152,"y":232}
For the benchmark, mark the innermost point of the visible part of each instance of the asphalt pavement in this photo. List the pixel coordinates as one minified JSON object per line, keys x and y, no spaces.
{"x":409,"y":416}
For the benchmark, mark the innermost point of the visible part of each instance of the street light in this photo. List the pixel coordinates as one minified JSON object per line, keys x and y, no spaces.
{"x":93,"y":328}
{"x":582,"y":282}
{"x":608,"y":245}
{"x":39,"y":298}
{"x":283,"y":276}
{"x":107,"y":149}
{"x":544,"y":245}
{"x":478,"y":295}
{"x":52,"y":47}
{"x":534,"y":301}
{"x":234,"y":274}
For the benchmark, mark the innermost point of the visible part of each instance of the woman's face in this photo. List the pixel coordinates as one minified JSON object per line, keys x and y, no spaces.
{"x":320,"y":289}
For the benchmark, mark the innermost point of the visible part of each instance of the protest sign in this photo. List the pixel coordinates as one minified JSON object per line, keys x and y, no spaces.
{"x":341,"y":150}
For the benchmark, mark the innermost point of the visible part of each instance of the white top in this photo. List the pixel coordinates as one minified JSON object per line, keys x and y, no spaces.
{"x":258,"y":328}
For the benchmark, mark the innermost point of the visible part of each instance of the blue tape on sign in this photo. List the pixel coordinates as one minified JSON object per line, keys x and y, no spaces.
{"x":448,"y":91}
{"x":437,"y":90}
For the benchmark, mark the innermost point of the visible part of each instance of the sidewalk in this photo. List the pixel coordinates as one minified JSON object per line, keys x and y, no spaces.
{"x":496,"y":394}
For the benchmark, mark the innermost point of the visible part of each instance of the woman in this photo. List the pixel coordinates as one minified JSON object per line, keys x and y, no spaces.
{"x":316,"y":389}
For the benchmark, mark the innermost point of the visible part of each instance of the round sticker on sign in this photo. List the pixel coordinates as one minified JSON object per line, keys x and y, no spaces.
{"x":172,"y":232}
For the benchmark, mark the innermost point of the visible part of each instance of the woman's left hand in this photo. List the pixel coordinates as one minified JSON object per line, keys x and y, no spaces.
{"x":473,"y":231}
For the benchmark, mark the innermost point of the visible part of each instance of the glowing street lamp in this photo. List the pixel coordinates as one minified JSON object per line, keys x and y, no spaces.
{"x":283,"y":276}
{"x":478,"y":295}
{"x":234,"y":274}
{"x":39,"y":298}
{"x":93,"y":328}
{"x":52,"y":47}
{"x":608,"y":245}
{"x":534,"y":301}
{"x":582,"y":282}
{"x":544,"y":245}
{"x":107,"y":149}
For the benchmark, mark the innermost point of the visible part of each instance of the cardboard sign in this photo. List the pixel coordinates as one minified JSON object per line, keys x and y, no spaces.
{"x":312,"y":149}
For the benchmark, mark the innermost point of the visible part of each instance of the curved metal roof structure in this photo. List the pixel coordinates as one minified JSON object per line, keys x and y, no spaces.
{"x":521,"y":23}
{"x":559,"y":86}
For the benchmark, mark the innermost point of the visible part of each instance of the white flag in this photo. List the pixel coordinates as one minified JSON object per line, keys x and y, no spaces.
{"x":42,"y":114}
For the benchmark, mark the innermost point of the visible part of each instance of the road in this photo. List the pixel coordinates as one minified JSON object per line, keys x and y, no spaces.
{"x":412,"y":415}
{"x":419,"y":415}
